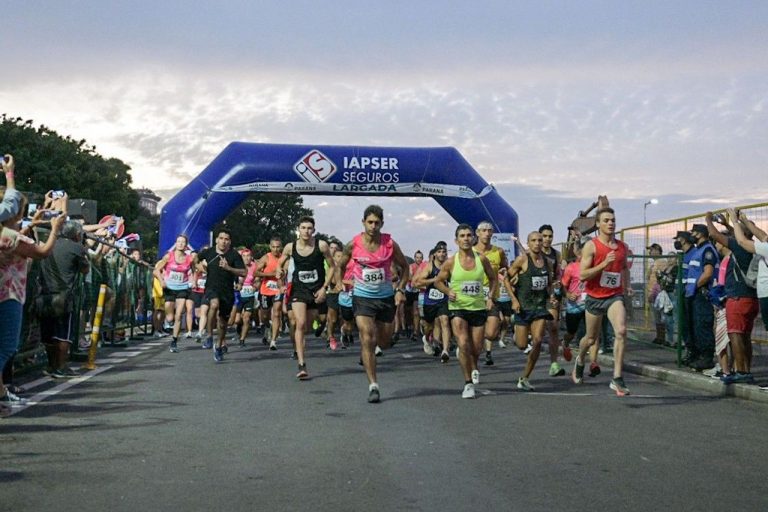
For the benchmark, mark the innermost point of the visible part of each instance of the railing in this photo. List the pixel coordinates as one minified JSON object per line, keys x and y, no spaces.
{"x":127,"y":311}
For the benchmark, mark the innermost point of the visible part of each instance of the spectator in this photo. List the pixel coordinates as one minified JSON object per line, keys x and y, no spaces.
{"x":701,"y":275}
{"x":760,"y":248}
{"x":59,"y":276}
{"x":741,"y":306}
{"x":685,"y":244}
{"x":717,"y":297}
{"x":666,"y":301}
{"x":11,"y":204}
{"x":14,"y":264}
{"x":653,"y":288}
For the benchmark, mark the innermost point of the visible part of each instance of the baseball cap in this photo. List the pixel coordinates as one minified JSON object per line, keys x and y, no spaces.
{"x":655,"y":246}
{"x":685,"y":235}
{"x":700,"y":228}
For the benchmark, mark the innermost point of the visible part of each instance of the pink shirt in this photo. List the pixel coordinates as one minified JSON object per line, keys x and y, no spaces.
{"x":572,"y":282}
{"x":372,"y":270}
{"x":13,"y":268}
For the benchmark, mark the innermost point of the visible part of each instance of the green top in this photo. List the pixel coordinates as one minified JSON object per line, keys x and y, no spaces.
{"x":468,"y":285}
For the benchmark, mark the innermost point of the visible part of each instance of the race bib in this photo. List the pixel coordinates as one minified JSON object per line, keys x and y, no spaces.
{"x":374,"y":276}
{"x":503,"y":293}
{"x":247,"y":291}
{"x":201,"y":283}
{"x":471,"y":288}
{"x":176,"y":277}
{"x":273,"y":285}
{"x":610,"y":279}
{"x":308,"y":276}
{"x":486,"y":292}
{"x":435,"y":294}
{"x":539,"y":283}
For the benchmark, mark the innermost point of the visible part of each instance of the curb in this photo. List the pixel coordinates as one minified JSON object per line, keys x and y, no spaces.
{"x":693,"y":381}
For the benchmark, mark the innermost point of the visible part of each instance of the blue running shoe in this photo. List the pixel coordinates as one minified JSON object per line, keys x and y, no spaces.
{"x":218,"y":354}
{"x":208,"y":343}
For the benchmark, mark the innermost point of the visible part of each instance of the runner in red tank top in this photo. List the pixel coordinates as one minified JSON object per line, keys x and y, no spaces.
{"x":606,"y":276}
{"x":271,"y":292}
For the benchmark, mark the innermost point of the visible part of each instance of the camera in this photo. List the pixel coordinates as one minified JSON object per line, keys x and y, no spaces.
{"x":719,"y":218}
{"x":57,"y":194}
{"x":48,"y":215}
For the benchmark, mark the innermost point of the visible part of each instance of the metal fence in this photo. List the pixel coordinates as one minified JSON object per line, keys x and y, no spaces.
{"x":127,"y":312}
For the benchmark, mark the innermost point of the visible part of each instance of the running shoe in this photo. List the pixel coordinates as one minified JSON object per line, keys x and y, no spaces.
{"x":374,"y":396}
{"x":488,"y":359}
{"x":294,"y":355}
{"x":475,"y":377}
{"x":242,"y":343}
{"x":578,"y":373}
{"x":188,"y":336}
{"x":303,"y":374}
{"x":524,"y":384}
{"x":208,"y":343}
{"x":69,"y":372}
{"x":218,"y":354}
{"x":745,"y":378}
{"x":273,"y":345}
{"x":160,"y":334}
{"x":555,"y":370}
{"x":469,"y":391}
{"x":319,"y":330}
{"x":12,"y":399}
{"x":225,"y":348}
{"x":528,"y":348}
{"x":502,"y":344}
{"x":264,"y":340}
{"x":728,"y":378}
{"x":594,"y":370}
{"x":617,"y":384}
{"x":444,"y":357}
{"x":378,"y":351}
{"x":198,"y":337}
{"x":174,"y":347}
{"x":333,"y":343}
{"x":567,"y":353}
{"x":427,"y":346}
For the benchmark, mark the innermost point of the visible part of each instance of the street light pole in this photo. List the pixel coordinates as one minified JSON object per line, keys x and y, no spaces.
{"x":645,"y":207}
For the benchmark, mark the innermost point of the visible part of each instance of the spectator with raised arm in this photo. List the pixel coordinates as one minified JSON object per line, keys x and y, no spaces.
{"x":741,"y":305}
{"x":758,"y":246}
{"x":14,"y":265}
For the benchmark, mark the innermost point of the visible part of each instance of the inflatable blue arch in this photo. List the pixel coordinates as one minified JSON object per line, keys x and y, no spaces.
{"x":243,"y":168}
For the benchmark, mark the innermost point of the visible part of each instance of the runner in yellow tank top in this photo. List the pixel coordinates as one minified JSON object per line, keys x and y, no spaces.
{"x":467,"y":304}
{"x":498,"y":259}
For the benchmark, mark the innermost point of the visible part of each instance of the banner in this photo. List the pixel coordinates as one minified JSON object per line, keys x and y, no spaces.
{"x":410,"y":189}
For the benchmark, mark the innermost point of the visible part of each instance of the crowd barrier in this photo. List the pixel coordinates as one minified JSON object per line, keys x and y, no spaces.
{"x":127,"y":312}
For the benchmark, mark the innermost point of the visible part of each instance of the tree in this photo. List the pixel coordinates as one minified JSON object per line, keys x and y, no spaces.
{"x":264,"y":215}
{"x":47,"y":161}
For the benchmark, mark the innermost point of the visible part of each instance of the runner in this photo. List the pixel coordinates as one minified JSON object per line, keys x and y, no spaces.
{"x":498,"y":259}
{"x":309,"y":282}
{"x":332,"y":298}
{"x":201,"y":310}
{"x":606,"y":277}
{"x":466,"y":271}
{"x":554,"y":261}
{"x":412,"y":297}
{"x":533,"y":291}
{"x":270,"y":293}
{"x":435,"y":304}
{"x":248,"y":295}
{"x":174,"y":271}
{"x":223,"y":265}
{"x":372,"y":254}
{"x":504,"y":303}
{"x":345,"y":300}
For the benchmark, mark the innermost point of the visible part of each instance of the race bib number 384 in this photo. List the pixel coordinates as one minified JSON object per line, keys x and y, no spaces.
{"x":374,"y":276}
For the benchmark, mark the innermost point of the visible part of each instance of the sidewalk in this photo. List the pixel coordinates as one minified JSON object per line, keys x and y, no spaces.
{"x":645,"y":358}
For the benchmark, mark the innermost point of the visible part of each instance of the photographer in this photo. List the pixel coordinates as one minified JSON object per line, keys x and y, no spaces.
{"x":59,"y":276}
{"x":741,"y":305}
{"x":14,"y":265}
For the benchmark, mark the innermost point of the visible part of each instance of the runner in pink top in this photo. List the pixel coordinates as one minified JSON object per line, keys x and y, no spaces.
{"x":174,"y":271}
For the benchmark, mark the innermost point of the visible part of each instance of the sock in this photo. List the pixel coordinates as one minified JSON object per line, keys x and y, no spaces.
{"x":373,"y":385}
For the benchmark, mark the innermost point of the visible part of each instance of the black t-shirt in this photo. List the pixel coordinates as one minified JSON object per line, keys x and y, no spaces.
{"x":734,"y":280}
{"x":218,"y":279}
{"x":62,"y":267}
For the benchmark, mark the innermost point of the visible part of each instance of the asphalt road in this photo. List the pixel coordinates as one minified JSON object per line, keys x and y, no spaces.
{"x":162,"y":431}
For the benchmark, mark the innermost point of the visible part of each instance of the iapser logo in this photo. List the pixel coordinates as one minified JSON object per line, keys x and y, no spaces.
{"x":315,"y":167}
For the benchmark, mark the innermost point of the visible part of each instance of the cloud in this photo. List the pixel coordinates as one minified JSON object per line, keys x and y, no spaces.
{"x":423,"y":217}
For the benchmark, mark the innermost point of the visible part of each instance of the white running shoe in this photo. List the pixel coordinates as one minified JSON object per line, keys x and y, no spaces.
{"x":502,"y":344}
{"x":188,"y":336}
{"x":378,"y":351}
{"x":525,"y":384}
{"x":469,"y":391}
{"x":528,"y":349}
{"x":475,"y":377}
{"x":427,"y":345}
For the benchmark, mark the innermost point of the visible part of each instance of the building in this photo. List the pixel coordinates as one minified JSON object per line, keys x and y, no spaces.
{"x":148,"y":200}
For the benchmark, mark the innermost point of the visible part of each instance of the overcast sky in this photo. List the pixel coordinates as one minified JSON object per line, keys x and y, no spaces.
{"x":554,"y":102}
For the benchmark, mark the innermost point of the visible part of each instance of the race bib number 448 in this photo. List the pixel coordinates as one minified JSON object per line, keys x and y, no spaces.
{"x":471,"y":288}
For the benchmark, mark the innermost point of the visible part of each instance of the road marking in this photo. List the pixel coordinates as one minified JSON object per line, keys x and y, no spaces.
{"x":111,"y":360}
{"x":131,"y":354}
{"x":43,"y":395}
{"x":407,"y":356}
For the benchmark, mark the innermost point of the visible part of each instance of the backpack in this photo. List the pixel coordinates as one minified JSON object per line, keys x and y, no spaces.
{"x":750,"y":276}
